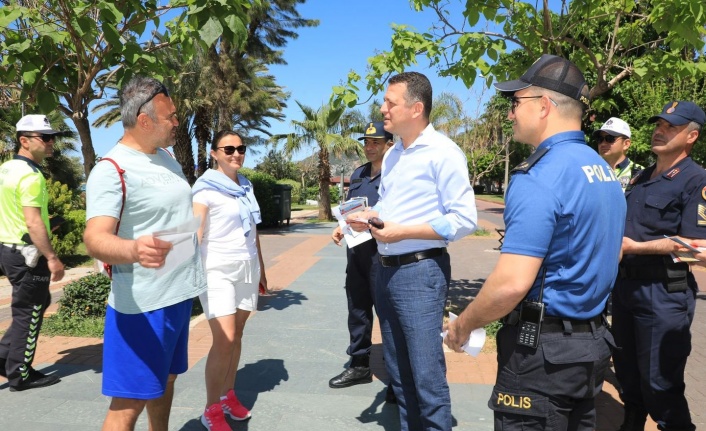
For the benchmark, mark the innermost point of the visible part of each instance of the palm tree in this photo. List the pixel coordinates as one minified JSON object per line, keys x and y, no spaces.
{"x":329,"y":129}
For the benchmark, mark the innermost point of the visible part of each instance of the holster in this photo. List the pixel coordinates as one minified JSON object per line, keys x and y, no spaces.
{"x":676,"y":277}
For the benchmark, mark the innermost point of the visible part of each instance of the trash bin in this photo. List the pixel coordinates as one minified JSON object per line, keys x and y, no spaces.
{"x":282,"y":196}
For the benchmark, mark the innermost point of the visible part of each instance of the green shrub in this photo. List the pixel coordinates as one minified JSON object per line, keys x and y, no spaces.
{"x":335,"y":194}
{"x":85,"y":298}
{"x":70,"y":205}
{"x":492,"y":328}
{"x":264,"y":190}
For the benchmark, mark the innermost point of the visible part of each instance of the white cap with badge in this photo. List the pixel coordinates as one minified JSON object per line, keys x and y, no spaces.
{"x":614,"y":127}
{"x":36,"y":123}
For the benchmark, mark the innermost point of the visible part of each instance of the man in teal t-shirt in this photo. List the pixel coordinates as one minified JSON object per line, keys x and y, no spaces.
{"x":26,"y":254}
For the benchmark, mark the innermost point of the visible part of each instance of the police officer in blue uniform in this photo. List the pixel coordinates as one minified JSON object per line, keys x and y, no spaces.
{"x":653,"y":299}
{"x":558,"y":262}
{"x":365,"y":181}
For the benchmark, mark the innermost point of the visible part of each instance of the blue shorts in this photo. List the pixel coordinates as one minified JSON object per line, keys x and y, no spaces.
{"x":141,"y":350}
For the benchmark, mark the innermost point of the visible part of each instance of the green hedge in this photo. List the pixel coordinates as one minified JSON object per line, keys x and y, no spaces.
{"x":264,"y":185}
{"x":296,"y":190}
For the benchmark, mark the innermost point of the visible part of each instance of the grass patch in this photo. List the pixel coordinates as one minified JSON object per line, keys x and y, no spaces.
{"x":498,"y":199}
{"x":73,"y":326}
{"x":482,"y":232}
{"x":80,"y":259}
{"x":302,"y":207}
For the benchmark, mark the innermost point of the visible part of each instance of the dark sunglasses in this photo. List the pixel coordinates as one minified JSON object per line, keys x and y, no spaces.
{"x":46,"y":138}
{"x":159,"y":90}
{"x":608,"y":138}
{"x":515,"y":101}
{"x":229,"y":149}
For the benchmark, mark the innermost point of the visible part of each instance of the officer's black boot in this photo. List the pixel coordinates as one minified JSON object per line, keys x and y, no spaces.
{"x":634,"y":419}
{"x":357,"y":373}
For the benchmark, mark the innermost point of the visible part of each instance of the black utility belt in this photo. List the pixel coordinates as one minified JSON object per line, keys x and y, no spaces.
{"x":13,"y":246}
{"x":406,"y":259}
{"x":673,"y":275}
{"x":558,"y":324}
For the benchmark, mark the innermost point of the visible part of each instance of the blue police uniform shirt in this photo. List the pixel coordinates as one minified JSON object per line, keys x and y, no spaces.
{"x":673,"y":203}
{"x":568,"y":209}
{"x":362,"y":184}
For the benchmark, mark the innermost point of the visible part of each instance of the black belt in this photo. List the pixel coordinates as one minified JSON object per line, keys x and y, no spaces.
{"x":642,"y":272}
{"x":558,"y":324}
{"x":13,"y":247}
{"x":405,"y":259}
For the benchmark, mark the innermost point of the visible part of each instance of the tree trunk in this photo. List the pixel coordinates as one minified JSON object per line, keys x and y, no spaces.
{"x":183,"y":153}
{"x":324,"y":181}
{"x":202,"y":132}
{"x":80,"y":120}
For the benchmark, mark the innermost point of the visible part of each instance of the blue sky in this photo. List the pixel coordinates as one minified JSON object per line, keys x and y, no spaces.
{"x":348,"y":34}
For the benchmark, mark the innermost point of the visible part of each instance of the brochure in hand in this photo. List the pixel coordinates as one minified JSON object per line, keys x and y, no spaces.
{"x":347,"y":208}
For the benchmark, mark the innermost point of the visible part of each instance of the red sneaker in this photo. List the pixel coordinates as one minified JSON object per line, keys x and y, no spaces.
{"x":233,"y":408}
{"x":214,"y":419}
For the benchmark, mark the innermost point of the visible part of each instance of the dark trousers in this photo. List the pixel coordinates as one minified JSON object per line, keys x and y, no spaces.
{"x":360,"y":291}
{"x":652,"y":331}
{"x":553,"y":387}
{"x":30,"y":298}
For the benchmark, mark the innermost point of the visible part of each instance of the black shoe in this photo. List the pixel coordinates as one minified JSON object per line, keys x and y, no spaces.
{"x":390,"y":395}
{"x":351,"y":376}
{"x":36,"y":379}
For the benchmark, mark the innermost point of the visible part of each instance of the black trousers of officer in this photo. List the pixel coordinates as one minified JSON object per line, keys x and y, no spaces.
{"x":553,"y":387}
{"x":652,"y":331}
{"x":30,"y":298}
{"x":360,"y":291}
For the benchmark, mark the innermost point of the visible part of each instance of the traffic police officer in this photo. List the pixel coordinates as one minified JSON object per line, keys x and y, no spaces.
{"x":653,"y":299}
{"x":365,"y":181}
{"x":26,"y":254}
{"x":559,"y":261}
{"x":613,"y":141}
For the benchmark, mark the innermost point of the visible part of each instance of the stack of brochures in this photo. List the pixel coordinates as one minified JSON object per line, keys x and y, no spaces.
{"x":342,"y":212}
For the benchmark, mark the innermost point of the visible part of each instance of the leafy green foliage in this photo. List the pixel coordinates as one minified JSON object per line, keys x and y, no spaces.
{"x":69,"y":205}
{"x":86,"y":297}
{"x":499,"y":39}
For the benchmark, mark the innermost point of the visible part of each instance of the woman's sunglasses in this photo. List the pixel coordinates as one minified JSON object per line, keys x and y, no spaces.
{"x":229,"y":149}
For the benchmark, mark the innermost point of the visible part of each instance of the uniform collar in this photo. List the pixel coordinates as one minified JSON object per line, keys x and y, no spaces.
{"x":28,"y":160}
{"x":622,"y":165}
{"x":564,"y":138}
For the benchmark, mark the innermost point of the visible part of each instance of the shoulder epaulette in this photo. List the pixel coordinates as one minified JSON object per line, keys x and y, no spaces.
{"x":525,"y":166}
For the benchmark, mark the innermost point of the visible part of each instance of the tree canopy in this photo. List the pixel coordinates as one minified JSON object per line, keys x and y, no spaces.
{"x":62,"y":53}
{"x":614,"y":40}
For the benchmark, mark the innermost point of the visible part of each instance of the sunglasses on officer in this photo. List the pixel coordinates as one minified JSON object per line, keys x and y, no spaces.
{"x":45,"y":137}
{"x":608,"y":138}
{"x":230,"y":149}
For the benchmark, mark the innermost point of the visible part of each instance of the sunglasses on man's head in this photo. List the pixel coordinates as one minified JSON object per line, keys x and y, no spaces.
{"x":229,"y":149}
{"x":46,"y":138}
{"x":159,"y":90}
